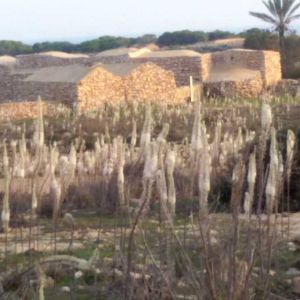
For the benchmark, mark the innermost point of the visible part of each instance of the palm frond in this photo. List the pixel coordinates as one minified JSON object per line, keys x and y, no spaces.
{"x":286,"y":7}
{"x":278,"y":7}
{"x":292,"y":18}
{"x":270,"y":7}
{"x":293,"y":10}
{"x":263,"y":17}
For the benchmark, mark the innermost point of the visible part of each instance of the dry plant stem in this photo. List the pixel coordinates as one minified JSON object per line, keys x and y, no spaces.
{"x":165,"y":278}
{"x":145,"y":200}
{"x":204,"y":229}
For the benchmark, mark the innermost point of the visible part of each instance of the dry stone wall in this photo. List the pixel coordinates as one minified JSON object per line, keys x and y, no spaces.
{"x":182,"y":67}
{"x":248,"y":88}
{"x":28,"y":110}
{"x":267,"y":62}
{"x":271,"y":71}
{"x":35,"y":61}
{"x":97,"y":88}
{"x":150,"y":83}
{"x":62,"y":92}
{"x":116,"y":59}
{"x":6,"y":85}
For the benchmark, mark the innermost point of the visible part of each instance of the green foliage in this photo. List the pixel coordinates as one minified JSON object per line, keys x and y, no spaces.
{"x":219,"y":34}
{"x":281,"y":13}
{"x":14,"y":48}
{"x":54,"y":46}
{"x":258,"y":39}
{"x":104,"y":43}
{"x":183,"y":37}
{"x":145,"y":39}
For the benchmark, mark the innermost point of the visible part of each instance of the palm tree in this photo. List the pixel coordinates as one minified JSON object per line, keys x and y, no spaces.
{"x":282,"y":13}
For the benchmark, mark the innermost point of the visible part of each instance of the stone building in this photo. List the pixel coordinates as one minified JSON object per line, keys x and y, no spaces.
{"x":240,"y":72}
{"x":74,"y":85}
{"x":86,"y":88}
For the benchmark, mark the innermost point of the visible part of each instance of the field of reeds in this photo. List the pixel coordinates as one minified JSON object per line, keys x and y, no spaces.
{"x":141,"y":201}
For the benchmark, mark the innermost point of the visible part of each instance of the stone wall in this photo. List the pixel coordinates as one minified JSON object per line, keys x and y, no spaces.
{"x":97,"y":88}
{"x":248,"y":88}
{"x":149,"y":82}
{"x":6,"y":85}
{"x":271,"y":71}
{"x":35,"y":61}
{"x":267,"y":62}
{"x":205,"y":66}
{"x":182,"y":67}
{"x":115,"y":59}
{"x":27,"y":110}
{"x":62,"y":92}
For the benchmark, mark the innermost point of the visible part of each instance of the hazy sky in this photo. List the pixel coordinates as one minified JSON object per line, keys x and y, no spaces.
{"x":74,"y":20}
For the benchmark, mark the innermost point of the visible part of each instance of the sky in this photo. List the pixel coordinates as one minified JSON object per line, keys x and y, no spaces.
{"x":76,"y":20}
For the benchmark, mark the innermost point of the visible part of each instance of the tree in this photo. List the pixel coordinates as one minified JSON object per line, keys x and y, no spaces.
{"x":258,"y":39}
{"x":282,"y":13}
{"x":145,"y":39}
{"x":219,"y":34}
{"x":14,"y":48}
{"x":184,"y":37}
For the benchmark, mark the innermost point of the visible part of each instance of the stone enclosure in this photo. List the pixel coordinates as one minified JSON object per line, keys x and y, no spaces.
{"x":86,"y":82}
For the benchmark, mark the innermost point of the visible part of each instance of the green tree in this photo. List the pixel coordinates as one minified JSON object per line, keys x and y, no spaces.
{"x":184,"y":37}
{"x":54,"y":46}
{"x":258,"y":39}
{"x":219,"y":34}
{"x":145,"y":39}
{"x":281,"y":14}
{"x":14,"y":48}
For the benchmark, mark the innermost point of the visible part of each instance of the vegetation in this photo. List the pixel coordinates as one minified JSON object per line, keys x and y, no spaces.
{"x":92,"y":207}
{"x":14,"y":48}
{"x":110,"y":42}
{"x":282,"y":14}
{"x":258,"y":39}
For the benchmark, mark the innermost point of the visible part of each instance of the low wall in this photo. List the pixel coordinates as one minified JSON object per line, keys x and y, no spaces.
{"x":28,"y":110}
{"x":249,"y":88}
{"x":49,"y":91}
{"x":6,"y":85}
{"x":34,"y":61}
{"x":271,"y":70}
{"x":267,"y":62}
{"x":150,"y":82}
{"x":98,"y":88}
{"x":182,"y":67}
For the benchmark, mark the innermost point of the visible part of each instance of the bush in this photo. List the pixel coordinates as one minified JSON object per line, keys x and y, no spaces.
{"x":258,"y":39}
{"x":219,"y":34}
{"x":14,"y":48}
{"x":184,"y":37}
{"x":104,"y":43}
{"x":54,"y":46}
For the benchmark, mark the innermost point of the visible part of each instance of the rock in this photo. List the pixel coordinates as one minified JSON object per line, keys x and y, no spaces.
{"x":296,"y":285}
{"x":293,"y":272}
